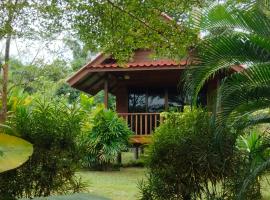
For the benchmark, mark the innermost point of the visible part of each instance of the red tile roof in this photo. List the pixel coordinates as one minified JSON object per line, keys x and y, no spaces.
{"x":141,"y":59}
{"x":157,"y":63}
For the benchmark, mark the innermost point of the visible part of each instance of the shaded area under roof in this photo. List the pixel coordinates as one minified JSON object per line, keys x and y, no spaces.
{"x":90,"y":78}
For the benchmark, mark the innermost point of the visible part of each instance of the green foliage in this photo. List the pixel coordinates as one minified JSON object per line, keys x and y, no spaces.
{"x":53,"y":128}
{"x":237,"y":33}
{"x":134,"y":24}
{"x":80,"y":53}
{"x":184,"y":160}
{"x":38,"y":76}
{"x":254,"y":151}
{"x":30,"y":19}
{"x":70,"y":93}
{"x":106,"y":135}
{"x":99,"y":98}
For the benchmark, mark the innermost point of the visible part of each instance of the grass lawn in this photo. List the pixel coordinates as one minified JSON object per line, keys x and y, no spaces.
{"x":121,"y":185}
{"x":116,"y":185}
{"x":72,"y":197}
{"x":265,"y":187}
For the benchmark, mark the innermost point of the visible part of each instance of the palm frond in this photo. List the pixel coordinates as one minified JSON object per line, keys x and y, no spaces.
{"x":244,"y":93}
{"x":253,"y":175}
{"x":248,"y":120}
{"x":242,"y":39}
{"x":230,"y":17}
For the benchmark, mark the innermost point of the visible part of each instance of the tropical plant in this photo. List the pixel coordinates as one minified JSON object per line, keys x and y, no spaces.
{"x":255,"y":150}
{"x":53,"y":128}
{"x":106,"y":135}
{"x":18,"y":23}
{"x":184,"y":162}
{"x":13,"y":152}
{"x":235,"y":36}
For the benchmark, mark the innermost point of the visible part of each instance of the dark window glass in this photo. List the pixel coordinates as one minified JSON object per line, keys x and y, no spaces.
{"x":153,"y":100}
{"x":156,"y":101}
{"x":137,"y":101}
{"x":175,"y":100}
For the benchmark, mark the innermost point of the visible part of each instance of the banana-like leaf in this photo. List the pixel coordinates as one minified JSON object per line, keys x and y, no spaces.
{"x":14,"y":152}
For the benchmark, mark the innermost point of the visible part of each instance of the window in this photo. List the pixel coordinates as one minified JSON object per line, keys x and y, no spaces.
{"x":153,"y":100}
{"x":137,"y":101}
{"x":175,"y":100}
{"x":156,"y":100}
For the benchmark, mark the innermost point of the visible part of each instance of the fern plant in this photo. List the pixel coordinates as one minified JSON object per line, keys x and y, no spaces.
{"x":53,"y":128}
{"x":106,"y":135}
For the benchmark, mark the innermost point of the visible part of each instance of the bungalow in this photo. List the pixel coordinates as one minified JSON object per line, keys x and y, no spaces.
{"x":143,"y":88}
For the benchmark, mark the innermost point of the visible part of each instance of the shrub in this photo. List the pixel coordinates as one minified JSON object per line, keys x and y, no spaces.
{"x":253,"y":150}
{"x":183,"y":159}
{"x":105,"y":137}
{"x":53,"y":129}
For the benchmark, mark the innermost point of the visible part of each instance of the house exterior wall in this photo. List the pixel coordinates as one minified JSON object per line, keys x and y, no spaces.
{"x":122,"y":95}
{"x":122,"y":100}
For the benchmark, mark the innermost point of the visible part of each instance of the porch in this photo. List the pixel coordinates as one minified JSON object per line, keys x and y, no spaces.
{"x":143,"y":88}
{"x":142,"y":125}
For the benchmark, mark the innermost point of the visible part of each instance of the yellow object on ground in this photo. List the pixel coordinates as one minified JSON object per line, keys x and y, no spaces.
{"x":14,"y":152}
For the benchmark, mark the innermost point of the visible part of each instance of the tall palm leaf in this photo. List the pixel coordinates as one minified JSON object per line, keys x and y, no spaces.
{"x":233,"y":36}
{"x":243,"y":94}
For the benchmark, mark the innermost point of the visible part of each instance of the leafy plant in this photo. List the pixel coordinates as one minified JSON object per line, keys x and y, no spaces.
{"x":53,"y":128}
{"x":13,"y":152}
{"x":254,"y":151}
{"x":184,"y":159}
{"x":105,"y":137}
{"x":236,"y":36}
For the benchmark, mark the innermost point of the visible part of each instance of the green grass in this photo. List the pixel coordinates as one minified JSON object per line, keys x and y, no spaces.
{"x":265,"y":187}
{"x":72,"y":197}
{"x":116,"y":185}
{"x":121,"y":185}
{"x":113,"y":185}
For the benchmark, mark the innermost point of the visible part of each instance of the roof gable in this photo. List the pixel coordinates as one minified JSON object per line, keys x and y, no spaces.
{"x":141,"y":60}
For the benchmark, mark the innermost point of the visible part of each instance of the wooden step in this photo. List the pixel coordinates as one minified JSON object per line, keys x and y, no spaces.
{"x":141,"y":139}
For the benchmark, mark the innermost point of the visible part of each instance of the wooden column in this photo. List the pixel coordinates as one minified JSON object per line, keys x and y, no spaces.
{"x":166,"y":98}
{"x":106,"y":92}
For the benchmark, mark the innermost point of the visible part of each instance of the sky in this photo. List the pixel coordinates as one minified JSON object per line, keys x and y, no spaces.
{"x":29,"y":51}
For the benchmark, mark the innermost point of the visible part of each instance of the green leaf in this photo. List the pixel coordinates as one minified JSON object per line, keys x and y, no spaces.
{"x":14,"y":152}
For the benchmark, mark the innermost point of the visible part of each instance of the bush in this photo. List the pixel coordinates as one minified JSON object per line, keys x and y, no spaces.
{"x":183,"y":159}
{"x":105,"y":137}
{"x":53,"y":129}
{"x":129,"y":160}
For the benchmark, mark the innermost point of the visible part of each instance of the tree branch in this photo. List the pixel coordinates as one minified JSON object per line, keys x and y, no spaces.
{"x":135,"y":17}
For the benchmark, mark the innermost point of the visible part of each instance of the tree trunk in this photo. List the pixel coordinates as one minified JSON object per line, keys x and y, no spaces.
{"x":5,"y":80}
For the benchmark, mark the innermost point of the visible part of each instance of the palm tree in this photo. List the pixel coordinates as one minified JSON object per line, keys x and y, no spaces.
{"x":233,"y":35}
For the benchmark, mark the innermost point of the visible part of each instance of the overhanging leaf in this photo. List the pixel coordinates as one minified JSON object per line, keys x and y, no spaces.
{"x":14,"y":152}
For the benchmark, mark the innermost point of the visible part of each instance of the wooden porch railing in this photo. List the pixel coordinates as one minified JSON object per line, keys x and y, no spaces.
{"x":142,"y":123}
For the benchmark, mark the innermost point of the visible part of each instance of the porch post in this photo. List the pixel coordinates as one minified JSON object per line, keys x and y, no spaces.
{"x":106,"y":91}
{"x":166,"y":100}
